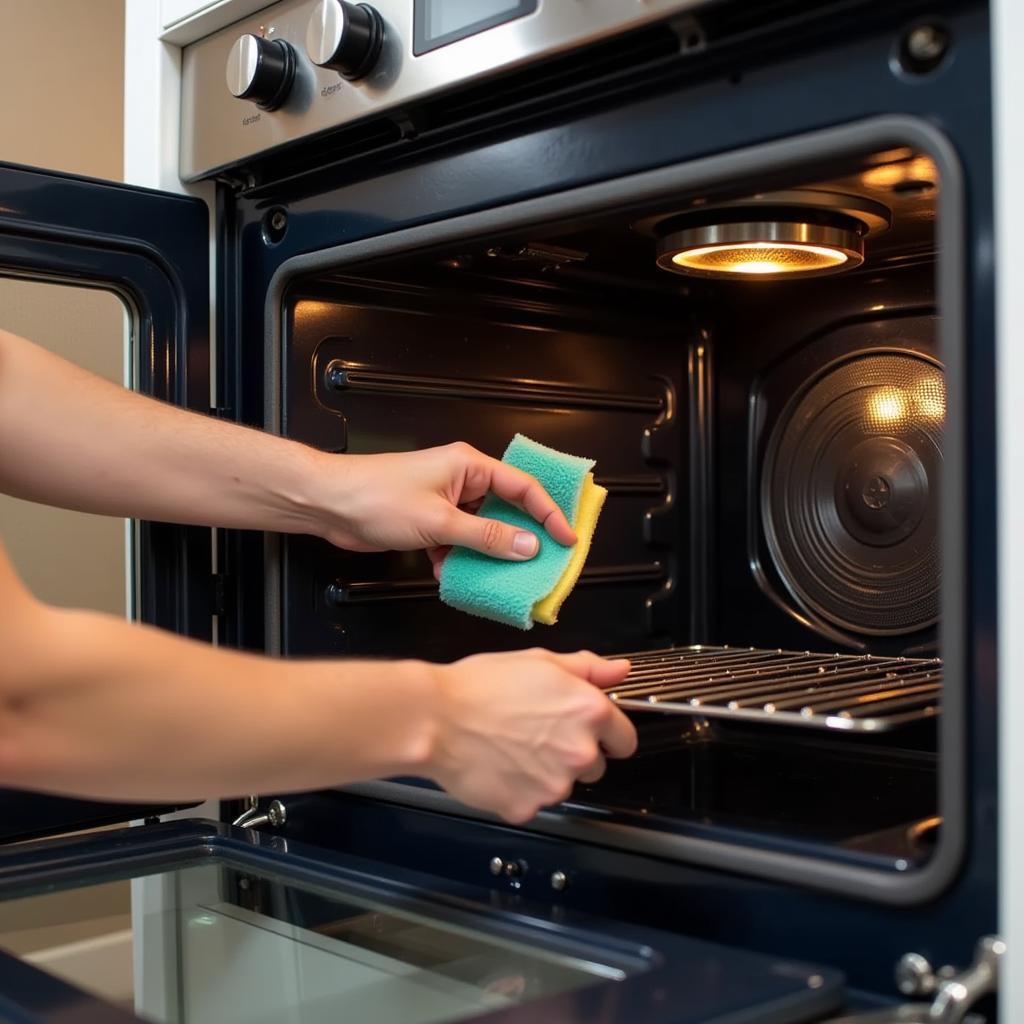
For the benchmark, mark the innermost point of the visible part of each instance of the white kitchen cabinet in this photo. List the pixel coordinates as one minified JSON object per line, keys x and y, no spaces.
{"x":183,"y":21}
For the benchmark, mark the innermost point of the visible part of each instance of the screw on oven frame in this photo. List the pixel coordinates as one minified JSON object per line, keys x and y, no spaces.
{"x":559,"y":880}
{"x":511,"y":869}
{"x":336,"y":375}
{"x":515,"y":868}
{"x":275,"y":224}
{"x":923,"y":48}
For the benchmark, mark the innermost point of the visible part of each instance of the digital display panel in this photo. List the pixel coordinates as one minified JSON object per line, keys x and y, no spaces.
{"x":439,"y":22}
{"x":447,"y":16}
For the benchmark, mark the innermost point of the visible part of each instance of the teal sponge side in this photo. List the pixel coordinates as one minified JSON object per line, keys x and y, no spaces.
{"x":507,"y":591}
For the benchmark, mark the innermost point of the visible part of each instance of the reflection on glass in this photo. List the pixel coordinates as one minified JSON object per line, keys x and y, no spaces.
{"x":220,"y":944}
{"x":900,"y":172}
{"x":452,"y":15}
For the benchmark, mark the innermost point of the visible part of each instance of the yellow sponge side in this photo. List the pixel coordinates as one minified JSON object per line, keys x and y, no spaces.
{"x":592,"y":498}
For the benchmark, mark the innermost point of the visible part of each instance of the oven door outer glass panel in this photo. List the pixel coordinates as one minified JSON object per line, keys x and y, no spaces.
{"x":637,"y":974}
{"x":738,"y":170}
{"x":151,"y":249}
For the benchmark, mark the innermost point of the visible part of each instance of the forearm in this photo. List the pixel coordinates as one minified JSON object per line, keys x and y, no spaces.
{"x":73,"y":439}
{"x":93,"y":706}
{"x":97,"y":707}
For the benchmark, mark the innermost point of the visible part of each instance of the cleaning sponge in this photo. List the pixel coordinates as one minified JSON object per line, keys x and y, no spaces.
{"x":508,"y":591}
{"x":592,"y":498}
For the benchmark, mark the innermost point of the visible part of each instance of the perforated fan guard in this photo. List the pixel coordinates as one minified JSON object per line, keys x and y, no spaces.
{"x":849,"y":493}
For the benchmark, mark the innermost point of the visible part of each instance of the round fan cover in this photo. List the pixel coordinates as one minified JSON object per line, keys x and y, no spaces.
{"x":850,"y":493}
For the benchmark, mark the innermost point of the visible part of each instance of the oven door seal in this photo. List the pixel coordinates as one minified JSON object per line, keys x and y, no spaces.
{"x":887,"y":132}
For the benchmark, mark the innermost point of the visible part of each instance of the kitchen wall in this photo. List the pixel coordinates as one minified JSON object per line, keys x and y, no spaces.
{"x":61,"y":80}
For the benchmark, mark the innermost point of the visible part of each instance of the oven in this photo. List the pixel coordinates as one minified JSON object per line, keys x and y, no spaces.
{"x":742,"y":256}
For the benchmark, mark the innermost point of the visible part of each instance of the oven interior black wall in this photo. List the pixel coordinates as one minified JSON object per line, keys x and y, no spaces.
{"x":453,"y":356}
{"x":679,"y":387}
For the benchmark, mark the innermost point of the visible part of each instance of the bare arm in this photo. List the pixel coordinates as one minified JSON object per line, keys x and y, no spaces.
{"x":70,"y":438}
{"x":97,"y":707}
{"x":93,"y":706}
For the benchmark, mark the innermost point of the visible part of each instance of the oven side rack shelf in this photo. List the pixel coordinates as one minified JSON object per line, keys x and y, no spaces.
{"x":842,"y":692}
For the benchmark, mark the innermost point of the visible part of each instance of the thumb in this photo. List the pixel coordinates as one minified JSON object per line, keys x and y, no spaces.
{"x":490,"y":536}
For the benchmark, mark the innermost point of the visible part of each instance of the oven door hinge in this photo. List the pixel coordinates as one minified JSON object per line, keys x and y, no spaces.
{"x":275,"y":815}
{"x":953,"y":993}
{"x":219,"y":593}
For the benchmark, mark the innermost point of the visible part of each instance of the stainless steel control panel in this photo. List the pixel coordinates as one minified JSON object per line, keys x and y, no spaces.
{"x":303,"y":66}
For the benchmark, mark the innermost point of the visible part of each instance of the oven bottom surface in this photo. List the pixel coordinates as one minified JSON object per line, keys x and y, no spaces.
{"x":810,"y":792}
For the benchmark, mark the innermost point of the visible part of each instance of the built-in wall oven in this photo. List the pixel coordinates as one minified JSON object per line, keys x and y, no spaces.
{"x":741,"y":256}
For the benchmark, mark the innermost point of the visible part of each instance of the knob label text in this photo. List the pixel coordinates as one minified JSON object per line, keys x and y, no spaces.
{"x":252,"y":119}
{"x":330,"y":90}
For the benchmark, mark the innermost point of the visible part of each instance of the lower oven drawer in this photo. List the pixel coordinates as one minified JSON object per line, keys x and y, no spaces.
{"x":231,"y":926}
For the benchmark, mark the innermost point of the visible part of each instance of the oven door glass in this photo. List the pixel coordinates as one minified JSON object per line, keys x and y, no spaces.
{"x":241,"y":927}
{"x":150,"y":250}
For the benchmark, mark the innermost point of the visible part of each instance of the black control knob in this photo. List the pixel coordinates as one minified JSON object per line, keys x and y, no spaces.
{"x":346,"y":37}
{"x":261,"y":70}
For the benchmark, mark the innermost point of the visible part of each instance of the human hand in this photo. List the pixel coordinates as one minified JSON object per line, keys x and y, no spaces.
{"x":515,"y":731}
{"x":426,"y":499}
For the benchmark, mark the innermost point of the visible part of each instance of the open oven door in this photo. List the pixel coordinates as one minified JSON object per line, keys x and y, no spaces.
{"x":239,"y":925}
{"x":243,"y":927}
{"x":149,"y":249}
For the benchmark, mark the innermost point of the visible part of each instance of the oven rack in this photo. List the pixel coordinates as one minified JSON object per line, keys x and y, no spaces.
{"x":847,"y":692}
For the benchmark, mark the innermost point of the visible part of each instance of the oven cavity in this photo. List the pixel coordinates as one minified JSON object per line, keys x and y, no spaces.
{"x":778,"y":459}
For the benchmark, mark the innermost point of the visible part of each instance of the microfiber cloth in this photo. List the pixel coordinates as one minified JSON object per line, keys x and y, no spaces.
{"x":592,"y":498}
{"x":507,"y":591}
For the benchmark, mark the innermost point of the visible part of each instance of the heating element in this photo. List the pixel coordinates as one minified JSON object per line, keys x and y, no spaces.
{"x":855,"y":693}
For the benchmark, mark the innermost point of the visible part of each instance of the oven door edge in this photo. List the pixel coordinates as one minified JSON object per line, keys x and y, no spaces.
{"x":151,"y":250}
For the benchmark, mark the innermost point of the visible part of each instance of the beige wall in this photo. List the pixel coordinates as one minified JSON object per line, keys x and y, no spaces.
{"x":62,"y":75}
{"x":62,"y":79}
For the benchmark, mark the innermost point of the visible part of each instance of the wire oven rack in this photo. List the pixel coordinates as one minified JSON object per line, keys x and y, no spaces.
{"x":851,"y":692}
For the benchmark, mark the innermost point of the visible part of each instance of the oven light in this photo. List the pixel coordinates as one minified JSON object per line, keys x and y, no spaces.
{"x":762,"y":250}
{"x":760,"y":258}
